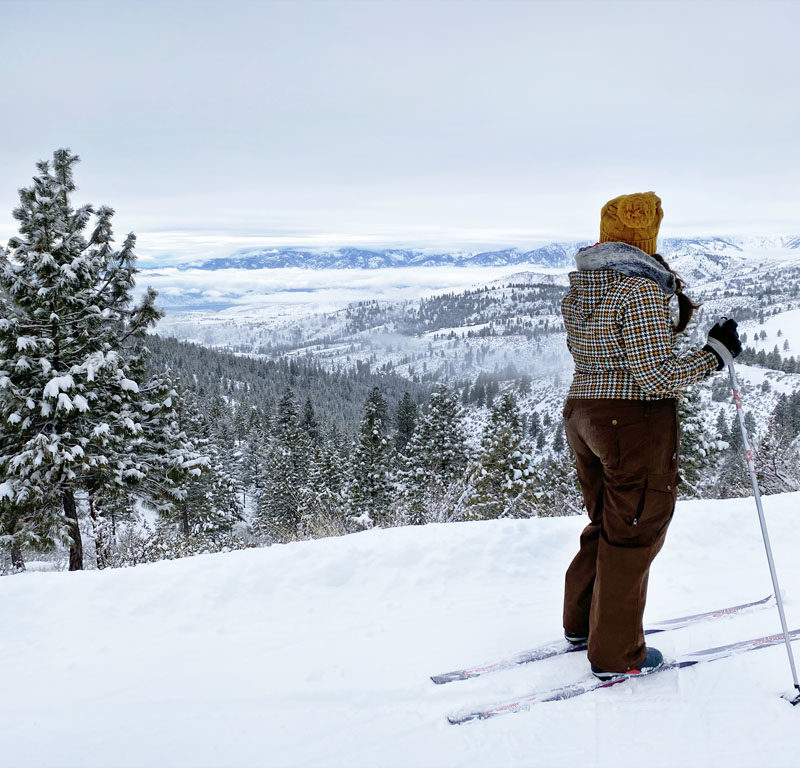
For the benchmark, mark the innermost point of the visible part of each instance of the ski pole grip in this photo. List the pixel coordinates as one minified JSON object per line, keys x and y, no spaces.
{"x":721,"y":350}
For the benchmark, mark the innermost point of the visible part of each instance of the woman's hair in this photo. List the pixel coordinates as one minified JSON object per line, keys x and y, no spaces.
{"x":686,"y":306}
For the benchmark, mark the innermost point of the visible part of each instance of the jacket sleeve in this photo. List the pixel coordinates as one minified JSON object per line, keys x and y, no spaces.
{"x":647,"y":336}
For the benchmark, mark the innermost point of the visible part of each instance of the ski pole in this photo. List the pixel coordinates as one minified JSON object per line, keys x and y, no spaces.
{"x":727,"y":359}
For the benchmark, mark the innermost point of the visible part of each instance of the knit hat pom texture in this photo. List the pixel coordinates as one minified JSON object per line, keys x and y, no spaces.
{"x":632,"y":219}
{"x":637,"y":211}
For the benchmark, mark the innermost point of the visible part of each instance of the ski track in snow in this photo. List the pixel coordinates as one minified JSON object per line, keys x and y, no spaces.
{"x":318,"y":653}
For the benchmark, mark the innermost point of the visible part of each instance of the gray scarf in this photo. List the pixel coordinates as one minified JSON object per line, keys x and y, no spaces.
{"x":626,"y":259}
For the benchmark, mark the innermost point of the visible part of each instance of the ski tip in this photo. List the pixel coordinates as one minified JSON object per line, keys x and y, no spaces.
{"x":450,"y":677}
{"x":792,"y":696}
{"x":454,"y":720}
{"x":460,"y":719}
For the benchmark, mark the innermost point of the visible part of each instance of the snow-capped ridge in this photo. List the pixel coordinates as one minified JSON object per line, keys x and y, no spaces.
{"x":557,"y":254}
{"x":554,"y":254}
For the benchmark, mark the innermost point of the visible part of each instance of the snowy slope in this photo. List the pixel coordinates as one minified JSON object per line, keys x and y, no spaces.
{"x":787,"y":324}
{"x":318,"y":653}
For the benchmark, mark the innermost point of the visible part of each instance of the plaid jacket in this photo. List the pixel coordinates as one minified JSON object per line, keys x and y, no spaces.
{"x":619,"y":331}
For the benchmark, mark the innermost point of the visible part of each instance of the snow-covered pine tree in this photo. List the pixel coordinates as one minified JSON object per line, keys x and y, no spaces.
{"x":560,"y":439}
{"x":699,"y":449}
{"x":434,"y":461}
{"x":778,"y":455}
{"x":220,"y":419}
{"x":405,"y":421}
{"x":209,"y":503}
{"x":502,"y":480}
{"x":69,"y":335}
{"x":160,"y":462}
{"x":557,"y":491}
{"x":323,"y":499}
{"x":371,"y":495}
{"x":18,"y":530}
{"x":285,"y":473}
{"x":309,"y":423}
{"x":733,"y":477}
{"x":253,"y":448}
{"x":723,"y":430}
{"x":241,"y":422}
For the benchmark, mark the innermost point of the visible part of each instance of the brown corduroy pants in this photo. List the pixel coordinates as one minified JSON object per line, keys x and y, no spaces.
{"x":627,"y":458}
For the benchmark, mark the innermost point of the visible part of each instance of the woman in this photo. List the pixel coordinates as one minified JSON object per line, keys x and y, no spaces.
{"x":622,"y":425}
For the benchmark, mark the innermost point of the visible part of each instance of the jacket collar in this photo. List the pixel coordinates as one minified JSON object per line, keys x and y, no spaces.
{"x":626,"y":259}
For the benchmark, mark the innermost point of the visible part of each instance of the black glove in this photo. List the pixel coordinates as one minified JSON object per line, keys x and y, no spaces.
{"x":726,"y":334}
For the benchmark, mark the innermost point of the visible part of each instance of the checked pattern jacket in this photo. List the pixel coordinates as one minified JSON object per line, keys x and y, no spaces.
{"x":620,"y":336}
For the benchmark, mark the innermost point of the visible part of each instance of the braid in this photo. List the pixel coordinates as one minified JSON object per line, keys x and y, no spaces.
{"x":686,"y":306}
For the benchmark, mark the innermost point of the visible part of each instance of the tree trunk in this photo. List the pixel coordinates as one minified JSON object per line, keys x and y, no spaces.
{"x":185,"y":520}
{"x":76,"y":545}
{"x":17,"y":563}
{"x":99,"y":539}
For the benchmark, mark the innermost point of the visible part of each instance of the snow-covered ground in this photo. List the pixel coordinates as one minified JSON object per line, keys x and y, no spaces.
{"x":318,"y":653}
{"x":779,"y":329}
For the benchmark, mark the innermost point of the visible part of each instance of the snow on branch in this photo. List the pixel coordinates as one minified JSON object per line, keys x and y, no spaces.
{"x":59,"y":384}
{"x":25,"y":342}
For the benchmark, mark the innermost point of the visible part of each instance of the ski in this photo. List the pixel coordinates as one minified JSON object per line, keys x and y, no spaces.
{"x":587,"y":685}
{"x":560,"y":647}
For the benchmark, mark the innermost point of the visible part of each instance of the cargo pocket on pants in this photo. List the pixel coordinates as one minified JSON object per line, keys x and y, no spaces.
{"x":657,"y":507}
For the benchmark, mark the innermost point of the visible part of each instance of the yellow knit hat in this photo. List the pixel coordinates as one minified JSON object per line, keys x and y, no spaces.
{"x":632,"y":219}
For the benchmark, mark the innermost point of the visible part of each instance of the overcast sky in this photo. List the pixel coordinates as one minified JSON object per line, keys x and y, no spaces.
{"x":212,"y":125}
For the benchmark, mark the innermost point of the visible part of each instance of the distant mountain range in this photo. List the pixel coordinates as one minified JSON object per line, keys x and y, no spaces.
{"x":553,"y":255}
